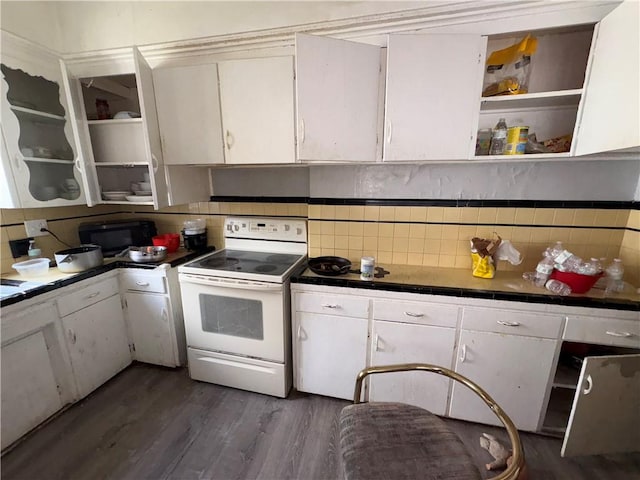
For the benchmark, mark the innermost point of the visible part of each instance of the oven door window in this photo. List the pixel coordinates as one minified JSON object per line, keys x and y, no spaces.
{"x":238,"y":317}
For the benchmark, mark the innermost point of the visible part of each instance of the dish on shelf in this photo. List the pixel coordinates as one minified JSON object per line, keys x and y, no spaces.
{"x":143,"y":193}
{"x":139,"y":198}
{"x":121,"y":115}
{"x":115,"y":195}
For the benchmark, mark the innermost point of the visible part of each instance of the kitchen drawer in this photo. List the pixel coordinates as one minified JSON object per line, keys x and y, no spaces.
{"x":527,"y":324}
{"x":603,"y":331}
{"x":87,"y":296}
{"x":342,"y":305}
{"x":143,"y":282}
{"x":423,"y":313}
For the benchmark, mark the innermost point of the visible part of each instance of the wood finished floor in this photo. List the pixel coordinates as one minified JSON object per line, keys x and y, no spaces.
{"x":155,"y":423}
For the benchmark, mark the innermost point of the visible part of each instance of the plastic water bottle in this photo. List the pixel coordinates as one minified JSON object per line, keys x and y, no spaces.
{"x":543,"y":272}
{"x":499,"y":138}
{"x":558,"y":287}
{"x":566,"y":261}
{"x":614,"y":276}
{"x":554,"y":250}
{"x":592,"y":267}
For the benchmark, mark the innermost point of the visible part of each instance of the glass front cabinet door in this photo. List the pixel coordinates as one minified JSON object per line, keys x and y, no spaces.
{"x":40,"y":161}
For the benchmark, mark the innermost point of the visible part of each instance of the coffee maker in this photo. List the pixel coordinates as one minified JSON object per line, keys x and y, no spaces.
{"x":194,"y":234}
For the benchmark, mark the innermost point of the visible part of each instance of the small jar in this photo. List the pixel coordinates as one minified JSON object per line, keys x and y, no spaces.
{"x":366,"y":268}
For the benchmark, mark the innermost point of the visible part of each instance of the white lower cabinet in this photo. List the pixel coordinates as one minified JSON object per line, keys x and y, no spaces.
{"x":513,"y":369}
{"x":517,"y":352}
{"x":36,"y":373}
{"x":405,"y":343}
{"x":29,"y":388}
{"x":329,"y":342}
{"x":413,"y":332}
{"x":153,"y":312}
{"x":96,"y":334}
{"x":329,"y":352}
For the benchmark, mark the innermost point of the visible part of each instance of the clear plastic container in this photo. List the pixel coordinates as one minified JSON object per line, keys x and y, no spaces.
{"x":615,"y":271}
{"x":32,"y":268}
{"x":366,"y":268}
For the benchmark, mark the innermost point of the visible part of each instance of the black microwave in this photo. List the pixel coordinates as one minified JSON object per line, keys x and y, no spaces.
{"x":115,"y":236}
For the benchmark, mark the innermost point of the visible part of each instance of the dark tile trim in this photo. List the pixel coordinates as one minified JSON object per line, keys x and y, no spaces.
{"x":521,"y":225}
{"x":579,"y":204}
{"x":241,"y":199}
{"x":615,"y":304}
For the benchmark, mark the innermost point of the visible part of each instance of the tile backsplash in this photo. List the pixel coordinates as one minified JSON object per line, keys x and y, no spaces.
{"x":413,"y":235}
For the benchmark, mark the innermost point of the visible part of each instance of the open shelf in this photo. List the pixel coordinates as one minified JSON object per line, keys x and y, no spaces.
{"x":113,"y":121}
{"x":36,"y":115}
{"x":566,"y":377}
{"x":47,"y":160}
{"x":121,"y":164}
{"x":532,"y":100}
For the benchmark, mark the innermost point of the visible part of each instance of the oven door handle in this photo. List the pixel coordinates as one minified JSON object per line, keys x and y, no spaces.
{"x":231,"y":283}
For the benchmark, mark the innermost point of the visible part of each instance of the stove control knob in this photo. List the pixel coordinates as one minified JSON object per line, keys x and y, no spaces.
{"x":287,"y":228}
{"x":236,"y":227}
{"x":298,"y":231}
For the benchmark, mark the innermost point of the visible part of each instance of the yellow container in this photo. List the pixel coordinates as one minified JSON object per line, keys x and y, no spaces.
{"x":516,"y":140}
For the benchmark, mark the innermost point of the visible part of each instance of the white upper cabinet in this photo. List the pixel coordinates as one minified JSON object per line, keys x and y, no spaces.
{"x":117,"y":129}
{"x":257,"y":102}
{"x":433,"y":86}
{"x":610,"y":118}
{"x":39,"y":154}
{"x":338,"y":93}
{"x":188,"y":106}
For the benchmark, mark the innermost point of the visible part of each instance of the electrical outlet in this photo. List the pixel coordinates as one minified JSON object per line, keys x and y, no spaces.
{"x":33,"y":227}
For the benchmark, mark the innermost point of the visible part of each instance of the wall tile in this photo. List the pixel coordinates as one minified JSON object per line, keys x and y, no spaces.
{"x":418,"y":214}
{"x":327,"y":228}
{"x":385,"y":229}
{"x":417,"y":230}
{"x":356,"y":212}
{"x":525,"y":216}
{"x":436,"y":214}
{"x":402,"y":214}
{"x":372,"y":213}
{"x":401,"y":230}
{"x":370,"y":230}
{"x":469,"y":215}
{"x":451,"y":214}
{"x":387,"y":214}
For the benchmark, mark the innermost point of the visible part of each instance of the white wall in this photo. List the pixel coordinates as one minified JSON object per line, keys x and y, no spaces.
{"x":565,"y":180}
{"x":98,"y":25}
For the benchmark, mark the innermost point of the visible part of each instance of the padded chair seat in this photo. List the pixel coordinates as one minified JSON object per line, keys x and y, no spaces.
{"x":380,"y":440}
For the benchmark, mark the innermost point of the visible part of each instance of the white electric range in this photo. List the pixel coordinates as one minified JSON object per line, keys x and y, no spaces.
{"x":236,"y":304}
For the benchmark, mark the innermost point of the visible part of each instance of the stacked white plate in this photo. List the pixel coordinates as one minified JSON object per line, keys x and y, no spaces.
{"x":140,"y":198}
{"x":115,"y":195}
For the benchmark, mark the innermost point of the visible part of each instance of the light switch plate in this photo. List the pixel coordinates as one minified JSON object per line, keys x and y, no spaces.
{"x":33,"y":227}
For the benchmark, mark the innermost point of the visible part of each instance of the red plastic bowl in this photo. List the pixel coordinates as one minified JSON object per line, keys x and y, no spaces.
{"x":578,"y":283}
{"x":169,"y":240}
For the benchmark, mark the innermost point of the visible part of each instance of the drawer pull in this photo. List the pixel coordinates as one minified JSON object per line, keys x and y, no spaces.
{"x":140,"y":283}
{"x":613,"y":333}
{"x":375,"y":343}
{"x":463,"y":353}
{"x":95,"y":294}
{"x":330,"y":305}
{"x":72,"y":336}
{"x":587,"y":389}
{"x":508,"y":324}
{"x":414,"y":315}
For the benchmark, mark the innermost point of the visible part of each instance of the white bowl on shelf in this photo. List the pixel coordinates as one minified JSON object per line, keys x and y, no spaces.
{"x":115,"y":195}
{"x":140,"y":198}
{"x":32,"y":268}
{"x":144,"y":193}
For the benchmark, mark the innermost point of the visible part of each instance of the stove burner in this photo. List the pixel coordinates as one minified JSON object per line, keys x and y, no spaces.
{"x":219,"y":262}
{"x":265,"y":268}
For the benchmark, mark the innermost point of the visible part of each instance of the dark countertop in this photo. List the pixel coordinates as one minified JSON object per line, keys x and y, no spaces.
{"x":457,"y":282}
{"x":56,"y":279}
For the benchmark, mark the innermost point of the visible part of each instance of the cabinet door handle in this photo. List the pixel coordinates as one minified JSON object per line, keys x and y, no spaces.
{"x":228,"y":139}
{"x":93,"y":295}
{"x":302,"y":130}
{"x":508,"y":324}
{"x":164,"y":315}
{"x":77,"y":164}
{"x":72,"y":336}
{"x":389,"y":131}
{"x":414,"y":315}
{"x":154,"y":163}
{"x":299,"y":331}
{"x":613,"y":333}
{"x":463,"y":353}
{"x":587,"y":389}
{"x":330,"y":305}
{"x":18,"y":160}
{"x":142,"y":284}
{"x":376,"y":339}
